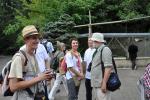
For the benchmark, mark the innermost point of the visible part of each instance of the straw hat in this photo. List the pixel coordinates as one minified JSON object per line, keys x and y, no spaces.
{"x":29,"y":30}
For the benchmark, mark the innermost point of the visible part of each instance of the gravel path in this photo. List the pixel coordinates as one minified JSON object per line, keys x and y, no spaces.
{"x":128,"y":90}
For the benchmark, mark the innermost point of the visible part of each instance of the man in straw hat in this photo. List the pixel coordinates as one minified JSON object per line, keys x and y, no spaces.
{"x":22,"y":77}
{"x":97,"y":82}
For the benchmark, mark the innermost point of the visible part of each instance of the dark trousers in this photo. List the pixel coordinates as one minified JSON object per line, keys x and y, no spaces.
{"x":133,"y":60}
{"x":133,"y":64}
{"x":72,"y":90}
{"x":88,"y":89}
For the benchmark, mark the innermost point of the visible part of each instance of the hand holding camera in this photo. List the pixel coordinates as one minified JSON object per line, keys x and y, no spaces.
{"x":46,"y":75}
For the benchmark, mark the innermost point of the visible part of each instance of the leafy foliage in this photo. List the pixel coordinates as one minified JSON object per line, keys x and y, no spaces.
{"x":57,"y":17}
{"x":61,"y":29}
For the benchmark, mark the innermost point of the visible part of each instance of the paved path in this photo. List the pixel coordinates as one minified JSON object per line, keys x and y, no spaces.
{"x":128,"y":90}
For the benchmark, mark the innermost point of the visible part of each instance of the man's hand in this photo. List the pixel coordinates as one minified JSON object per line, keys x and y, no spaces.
{"x":45,"y":75}
{"x":105,"y":79}
{"x":81,"y":75}
{"x":103,"y":87}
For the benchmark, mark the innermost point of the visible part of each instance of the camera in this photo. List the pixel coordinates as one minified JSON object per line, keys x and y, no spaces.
{"x":53,"y":74}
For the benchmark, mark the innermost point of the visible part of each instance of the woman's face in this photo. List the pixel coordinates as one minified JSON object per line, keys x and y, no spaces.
{"x":74,"y":45}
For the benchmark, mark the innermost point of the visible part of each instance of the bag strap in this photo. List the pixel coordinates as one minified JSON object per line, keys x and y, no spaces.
{"x":59,"y":52}
{"x":25,"y":63}
{"x":102,"y":63}
{"x":24,"y":54}
{"x":45,"y":89}
{"x":45,"y":45}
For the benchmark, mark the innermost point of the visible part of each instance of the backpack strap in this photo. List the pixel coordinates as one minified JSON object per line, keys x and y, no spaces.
{"x":45,"y":89}
{"x":45,"y":45}
{"x":25,"y":63}
{"x":24,"y":54}
{"x":57,"y":54}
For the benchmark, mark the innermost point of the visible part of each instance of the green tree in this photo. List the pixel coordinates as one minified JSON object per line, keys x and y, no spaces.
{"x":61,"y":29}
{"x":15,"y":14}
{"x":9,"y":27}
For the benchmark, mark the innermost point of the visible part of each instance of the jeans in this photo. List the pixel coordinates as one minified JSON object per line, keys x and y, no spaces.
{"x":88,"y":89}
{"x":72,"y":89}
{"x":59,"y":78}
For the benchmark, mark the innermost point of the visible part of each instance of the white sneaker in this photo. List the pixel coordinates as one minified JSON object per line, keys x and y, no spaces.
{"x":135,"y":68}
{"x":50,"y":98}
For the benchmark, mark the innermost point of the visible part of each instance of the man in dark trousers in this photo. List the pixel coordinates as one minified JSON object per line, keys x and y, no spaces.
{"x":133,"y":49}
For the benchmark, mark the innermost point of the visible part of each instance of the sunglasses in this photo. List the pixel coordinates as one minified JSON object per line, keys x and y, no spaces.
{"x":33,"y":37}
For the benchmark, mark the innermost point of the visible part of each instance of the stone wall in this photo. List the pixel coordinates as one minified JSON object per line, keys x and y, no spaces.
{"x":122,"y":62}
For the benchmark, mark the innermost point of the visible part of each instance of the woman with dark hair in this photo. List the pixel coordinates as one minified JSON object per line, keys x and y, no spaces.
{"x":74,"y":73}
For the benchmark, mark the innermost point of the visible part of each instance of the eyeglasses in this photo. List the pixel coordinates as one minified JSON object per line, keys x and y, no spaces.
{"x":33,"y":37}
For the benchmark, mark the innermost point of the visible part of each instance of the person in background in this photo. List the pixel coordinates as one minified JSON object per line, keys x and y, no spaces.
{"x":74,"y":73}
{"x":98,"y":82}
{"x":59,"y":77}
{"x":88,"y":60}
{"x":133,"y":49}
{"x":48,"y":45}
{"x":22,"y":77}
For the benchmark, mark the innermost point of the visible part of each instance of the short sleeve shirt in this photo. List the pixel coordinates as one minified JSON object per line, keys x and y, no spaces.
{"x":71,"y":61}
{"x":16,"y":70}
{"x":88,"y":58}
{"x":41,"y":55}
{"x":17,"y":67}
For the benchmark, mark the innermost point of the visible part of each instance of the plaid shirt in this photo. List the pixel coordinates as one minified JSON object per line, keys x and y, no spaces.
{"x":146,"y":80}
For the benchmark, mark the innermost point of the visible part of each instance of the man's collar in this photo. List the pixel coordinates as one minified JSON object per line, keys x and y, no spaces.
{"x":100,"y":47}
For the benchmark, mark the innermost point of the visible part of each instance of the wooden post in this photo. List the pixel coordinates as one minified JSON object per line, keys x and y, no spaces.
{"x":90,"y":26}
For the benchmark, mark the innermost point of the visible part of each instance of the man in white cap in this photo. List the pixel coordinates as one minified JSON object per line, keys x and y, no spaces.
{"x":22,"y":77}
{"x":97,"y":81}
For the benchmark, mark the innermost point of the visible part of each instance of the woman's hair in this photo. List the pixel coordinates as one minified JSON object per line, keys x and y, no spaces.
{"x":60,"y":45}
{"x":74,"y":38}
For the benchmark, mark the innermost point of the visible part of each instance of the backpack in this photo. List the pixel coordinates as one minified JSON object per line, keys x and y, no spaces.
{"x":5,"y":89}
{"x":55,"y":62}
{"x":45,"y":45}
